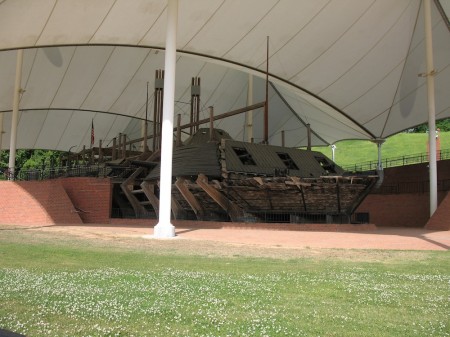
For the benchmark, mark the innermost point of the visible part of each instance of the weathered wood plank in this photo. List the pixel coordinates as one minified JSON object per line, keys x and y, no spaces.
{"x":234,"y":211}
{"x":190,"y":198}
{"x":149,"y":191}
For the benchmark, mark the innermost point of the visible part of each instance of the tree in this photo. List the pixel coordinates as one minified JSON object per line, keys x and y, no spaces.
{"x":31,"y":159}
{"x":443,"y":125}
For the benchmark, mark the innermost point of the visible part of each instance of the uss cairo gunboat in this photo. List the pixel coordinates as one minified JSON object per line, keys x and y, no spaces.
{"x":216,"y":178}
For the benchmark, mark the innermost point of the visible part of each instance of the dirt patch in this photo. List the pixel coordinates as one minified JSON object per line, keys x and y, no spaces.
{"x":384,"y":245}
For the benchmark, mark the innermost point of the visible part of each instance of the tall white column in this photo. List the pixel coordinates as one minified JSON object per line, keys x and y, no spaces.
{"x":379,"y":142}
{"x":431,"y":105}
{"x":15,"y":114}
{"x":164,"y":228}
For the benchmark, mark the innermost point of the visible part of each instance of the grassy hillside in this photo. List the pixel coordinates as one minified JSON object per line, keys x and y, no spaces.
{"x":350,"y":152}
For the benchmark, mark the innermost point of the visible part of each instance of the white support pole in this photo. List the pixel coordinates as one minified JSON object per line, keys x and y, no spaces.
{"x":431,"y":105}
{"x":164,"y":228}
{"x":333,"y":149}
{"x":249,"y":124}
{"x":15,"y":115}
{"x":379,"y":142}
{"x":380,"y":162}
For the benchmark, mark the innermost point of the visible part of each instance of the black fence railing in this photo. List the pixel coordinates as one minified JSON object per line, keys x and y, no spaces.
{"x":397,"y":161}
{"x":256,"y":217}
{"x":417,"y":187}
{"x":57,"y":172}
{"x":304,"y":217}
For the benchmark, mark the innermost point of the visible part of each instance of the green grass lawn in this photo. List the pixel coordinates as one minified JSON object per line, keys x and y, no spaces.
{"x":52,"y":287}
{"x":349,"y":152}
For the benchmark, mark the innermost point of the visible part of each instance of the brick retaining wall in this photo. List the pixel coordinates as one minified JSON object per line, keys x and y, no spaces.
{"x":441,"y":218}
{"x":36,"y":202}
{"x":91,"y":196}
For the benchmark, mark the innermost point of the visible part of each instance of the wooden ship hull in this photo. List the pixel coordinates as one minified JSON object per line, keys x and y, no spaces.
{"x":216,"y":178}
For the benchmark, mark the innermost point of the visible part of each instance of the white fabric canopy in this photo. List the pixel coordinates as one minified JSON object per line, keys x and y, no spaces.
{"x":349,"y":68}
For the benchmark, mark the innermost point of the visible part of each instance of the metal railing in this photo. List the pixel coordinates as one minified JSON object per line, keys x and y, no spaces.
{"x":256,"y":217}
{"x":57,"y":172}
{"x":415,"y":187}
{"x":84,"y":170}
{"x":397,"y":161}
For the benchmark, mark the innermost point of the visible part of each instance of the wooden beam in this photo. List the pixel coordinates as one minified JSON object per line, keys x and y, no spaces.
{"x":138,"y":208}
{"x":175,"y":207}
{"x":297,"y":182}
{"x":190,"y":198}
{"x":259,"y":180}
{"x":233,"y":210}
{"x":149,"y":191}
{"x":207,"y":120}
{"x":225,"y":115}
{"x":177,"y":210}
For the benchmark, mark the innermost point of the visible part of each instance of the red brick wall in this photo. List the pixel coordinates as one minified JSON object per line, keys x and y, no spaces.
{"x":36,"y":202}
{"x":441,"y":218}
{"x":44,"y":202}
{"x":404,"y":210}
{"x":92,"y":196}
{"x":418,"y":172}
{"x":397,"y":210}
{"x":63,"y":201}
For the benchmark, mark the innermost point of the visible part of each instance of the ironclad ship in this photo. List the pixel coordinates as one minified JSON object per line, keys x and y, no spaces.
{"x":217,"y":178}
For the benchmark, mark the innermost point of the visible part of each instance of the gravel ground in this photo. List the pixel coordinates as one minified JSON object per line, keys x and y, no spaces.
{"x":380,"y":245}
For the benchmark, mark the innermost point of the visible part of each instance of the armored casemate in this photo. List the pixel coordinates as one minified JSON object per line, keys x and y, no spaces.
{"x":218,"y":178}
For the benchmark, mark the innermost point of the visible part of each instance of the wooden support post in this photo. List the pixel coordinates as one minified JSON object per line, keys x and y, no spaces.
{"x":282,"y":138}
{"x":308,"y":130}
{"x":190,"y":198}
{"x":113,"y":149}
{"x":191,"y":115}
{"x":124,"y":146}
{"x":100,"y":152}
{"x":158,"y":109}
{"x":178,"y":143}
{"x":119,"y":146}
{"x":91,"y":155}
{"x":297,"y":181}
{"x":266,"y":106}
{"x":211,"y":124}
{"x":233,"y":210}
{"x":127,"y":187}
{"x":177,"y":210}
{"x":145,"y":147}
{"x":195,"y":104}
{"x":174,"y":206}
{"x":149,"y":191}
